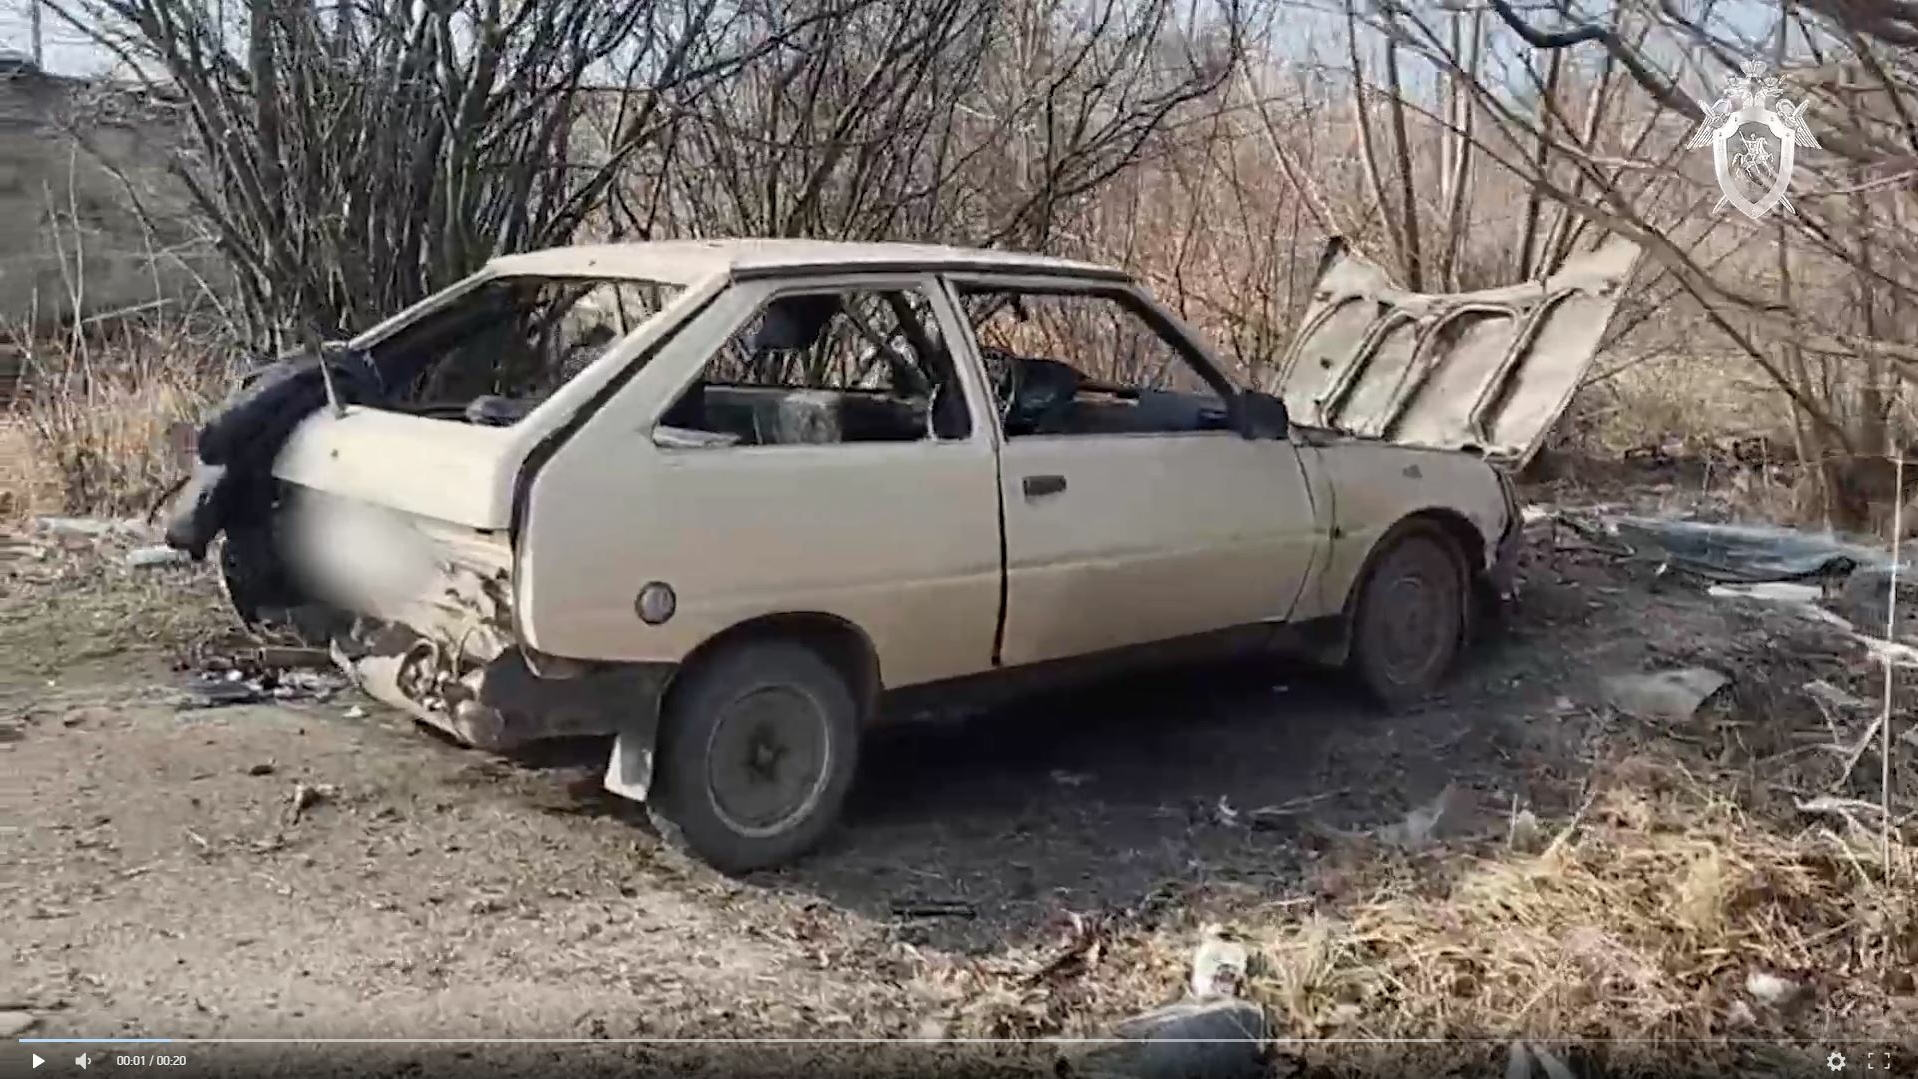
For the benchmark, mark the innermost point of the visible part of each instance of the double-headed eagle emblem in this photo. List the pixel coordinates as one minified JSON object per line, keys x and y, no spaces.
{"x":1745,"y":103}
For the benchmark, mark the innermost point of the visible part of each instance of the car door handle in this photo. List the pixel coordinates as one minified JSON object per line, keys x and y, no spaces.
{"x":1041,"y":486}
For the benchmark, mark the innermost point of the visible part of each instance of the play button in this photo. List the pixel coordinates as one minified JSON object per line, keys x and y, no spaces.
{"x":38,"y":1060}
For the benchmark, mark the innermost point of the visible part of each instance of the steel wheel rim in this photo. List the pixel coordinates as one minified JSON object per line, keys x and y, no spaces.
{"x":768,"y":758}
{"x":1412,"y":616}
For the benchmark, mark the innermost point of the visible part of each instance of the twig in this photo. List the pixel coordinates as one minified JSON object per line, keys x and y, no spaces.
{"x":1891,"y":626}
{"x":939,"y":908}
{"x":1857,"y":749}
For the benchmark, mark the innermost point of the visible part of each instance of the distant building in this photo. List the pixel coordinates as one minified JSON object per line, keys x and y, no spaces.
{"x":71,"y":235}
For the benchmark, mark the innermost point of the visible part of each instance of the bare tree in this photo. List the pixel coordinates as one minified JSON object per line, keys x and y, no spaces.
{"x":953,"y":120}
{"x":354,"y":157}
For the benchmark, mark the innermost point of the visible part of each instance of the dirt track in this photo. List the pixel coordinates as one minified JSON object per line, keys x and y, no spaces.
{"x":161,"y":883}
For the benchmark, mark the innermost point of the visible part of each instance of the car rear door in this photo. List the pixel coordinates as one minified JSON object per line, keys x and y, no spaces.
{"x":1125,"y":538}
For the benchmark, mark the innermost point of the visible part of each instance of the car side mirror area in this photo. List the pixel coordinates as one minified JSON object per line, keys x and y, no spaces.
{"x":1263,"y":417}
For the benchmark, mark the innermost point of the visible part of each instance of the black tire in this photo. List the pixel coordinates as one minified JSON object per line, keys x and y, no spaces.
{"x":1410,"y":621}
{"x":732,"y":725}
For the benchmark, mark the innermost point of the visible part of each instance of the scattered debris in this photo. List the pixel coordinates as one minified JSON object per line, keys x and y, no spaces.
{"x":1742,"y":554}
{"x":1670,"y":695}
{"x":94,"y":527}
{"x":1826,"y":693}
{"x":141,"y":557}
{"x":1890,"y":653}
{"x":305,"y":797}
{"x":1218,"y":964}
{"x":212,"y":691}
{"x":935,"y":908}
{"x":1273,"y":816}
{"x":1192,"y":1039}
{"x":1084,"y":945}
{"x":266,"y":672}
{"x":264,"y":768}
{"x":284,"y":658}
{"x":1801,"y":599}
{"x":1525,"y":833}
{"x":1768,"y":988}
{"x":1771,"y":591}
{"x":1866,"y":601}
{"x":84,"y":717}
{"x":356,"y":712}
{"x":1224,"y":814}
{"x":1417,"y":827}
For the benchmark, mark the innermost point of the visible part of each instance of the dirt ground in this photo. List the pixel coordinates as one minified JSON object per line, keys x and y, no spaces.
{"x":161,"y":882}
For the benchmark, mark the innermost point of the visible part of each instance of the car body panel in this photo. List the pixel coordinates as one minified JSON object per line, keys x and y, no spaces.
{"x":898,"y":539}
{"x":458,"y":473}
{"x":454,"y":472}
{"x":535,"y":539}
{"x":690,"y":261}
{"x":1373,"y":486}
{"x":1489,"y":371}
{"x":1155,"y":537}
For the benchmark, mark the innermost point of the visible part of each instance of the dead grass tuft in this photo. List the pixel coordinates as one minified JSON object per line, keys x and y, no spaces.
{"x":1651,"y":400}
{"x":94,"y":430}
{"x":1644,"y":919}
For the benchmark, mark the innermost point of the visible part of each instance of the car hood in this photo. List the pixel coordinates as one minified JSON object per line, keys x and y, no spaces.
{"x":1488,"y":371}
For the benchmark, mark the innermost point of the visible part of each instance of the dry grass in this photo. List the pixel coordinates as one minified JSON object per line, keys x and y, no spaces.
{"x":1690,"y":401}
{"x":94,"y":429}
{"x":28,"y":482}
{"x":1642,"y":920}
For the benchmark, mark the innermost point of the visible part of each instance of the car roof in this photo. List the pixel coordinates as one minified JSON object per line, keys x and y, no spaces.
{"x":686,"y":261}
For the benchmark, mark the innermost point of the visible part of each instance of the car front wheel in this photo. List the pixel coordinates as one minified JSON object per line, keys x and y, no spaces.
{"x":1410,"y":620}
{"x":758,"y":748}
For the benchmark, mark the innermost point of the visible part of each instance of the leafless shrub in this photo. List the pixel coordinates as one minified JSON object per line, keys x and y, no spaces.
{"x":97,"y":424}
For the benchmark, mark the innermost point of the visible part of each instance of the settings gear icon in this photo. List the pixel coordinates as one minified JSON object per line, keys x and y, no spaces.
{"x":1835,"y":1061}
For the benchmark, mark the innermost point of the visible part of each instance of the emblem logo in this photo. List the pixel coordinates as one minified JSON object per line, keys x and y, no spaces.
{"x":1752,"y":174}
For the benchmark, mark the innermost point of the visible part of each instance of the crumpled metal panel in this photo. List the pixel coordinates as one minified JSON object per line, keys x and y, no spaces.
{"x":1489,"y":370}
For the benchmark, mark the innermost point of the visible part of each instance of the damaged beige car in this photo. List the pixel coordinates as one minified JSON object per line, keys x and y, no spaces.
{"x":731,"y":503}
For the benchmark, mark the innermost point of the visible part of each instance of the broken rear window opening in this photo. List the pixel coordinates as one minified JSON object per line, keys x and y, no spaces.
{"x":494,"y":353}
{"x":487,"y":355}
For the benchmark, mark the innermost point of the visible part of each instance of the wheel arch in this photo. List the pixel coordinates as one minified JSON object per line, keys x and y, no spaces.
{"x":843,"y":644}
{"x":1335,"y":646}
{"x":1468,"y":543}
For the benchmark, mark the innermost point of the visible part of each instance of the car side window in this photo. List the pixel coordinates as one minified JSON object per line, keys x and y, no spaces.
{"x":1088,"y":363}
{"x":826,"y":367}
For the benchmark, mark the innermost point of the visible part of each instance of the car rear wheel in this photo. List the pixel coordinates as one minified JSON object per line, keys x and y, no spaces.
{"x":758,"y":748}
{"x":1411,"y":616}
